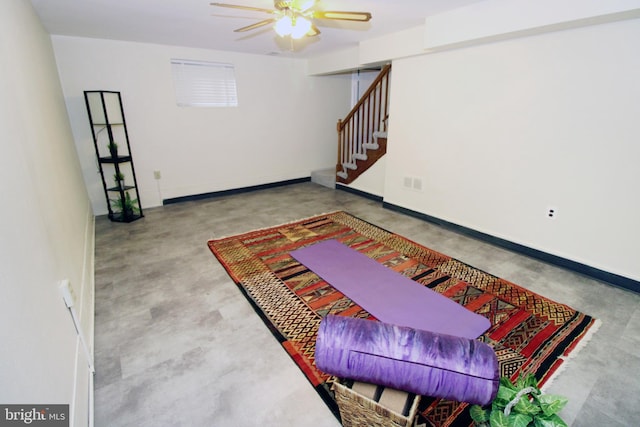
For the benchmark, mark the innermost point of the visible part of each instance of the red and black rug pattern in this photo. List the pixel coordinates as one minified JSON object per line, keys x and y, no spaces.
{"x":530,"y":333}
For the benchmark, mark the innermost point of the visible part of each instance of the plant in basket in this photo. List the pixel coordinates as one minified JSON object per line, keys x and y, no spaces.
{"x":520,"y":405}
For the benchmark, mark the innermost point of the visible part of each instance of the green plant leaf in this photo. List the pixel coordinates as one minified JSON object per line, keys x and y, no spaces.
{"x":478,"y":414}
{"x":499,"y":404}
{"x":506,"y":394}
{"x":527,"y":381}
{"x":531,"y":381}
{"x":532,"y":409}
{"x":518,"y":420}
{"x":551,"y":403}
{"x":498,"y":419}
{"x":524,"y":406}
{"x":126,"y":204}
{"x":506,"y":382}
{"x":549,"y":421}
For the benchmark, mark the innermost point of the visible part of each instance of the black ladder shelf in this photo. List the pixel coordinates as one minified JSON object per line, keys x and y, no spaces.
{"x":111,"y":141}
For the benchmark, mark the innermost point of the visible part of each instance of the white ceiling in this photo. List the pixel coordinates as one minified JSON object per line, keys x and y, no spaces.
{"x":195,"y":23}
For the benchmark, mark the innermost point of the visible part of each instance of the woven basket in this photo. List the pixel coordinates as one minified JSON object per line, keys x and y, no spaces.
{"x":357,"y":410}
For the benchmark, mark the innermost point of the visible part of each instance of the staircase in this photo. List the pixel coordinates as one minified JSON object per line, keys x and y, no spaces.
{"x":362,"y":134}
{"x":324,"y":177}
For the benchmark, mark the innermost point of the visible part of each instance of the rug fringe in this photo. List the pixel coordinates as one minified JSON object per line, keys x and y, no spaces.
{"x":273,"y":226}
{"x":574,"y":353}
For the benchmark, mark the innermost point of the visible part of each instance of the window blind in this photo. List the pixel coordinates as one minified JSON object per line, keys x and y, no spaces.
{"x":204,"y":84}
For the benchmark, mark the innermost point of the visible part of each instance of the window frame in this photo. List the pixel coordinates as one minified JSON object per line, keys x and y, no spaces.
{"x":204,"y":83}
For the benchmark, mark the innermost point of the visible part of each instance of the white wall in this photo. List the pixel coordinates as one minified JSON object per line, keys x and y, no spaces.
{"x":283,"y":128}
{"x":502,"y":131}
{"x":46,"y":225}
{"x":372,"y":180}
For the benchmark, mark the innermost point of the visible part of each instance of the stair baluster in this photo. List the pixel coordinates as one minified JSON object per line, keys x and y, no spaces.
{"x":362,"y":134}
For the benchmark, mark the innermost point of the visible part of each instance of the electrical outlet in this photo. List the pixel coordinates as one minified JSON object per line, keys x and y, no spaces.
{"x":417,"y":184}
{"x":157,"y":175}
{"x":408,"y":181}
{"x":552,"y":212}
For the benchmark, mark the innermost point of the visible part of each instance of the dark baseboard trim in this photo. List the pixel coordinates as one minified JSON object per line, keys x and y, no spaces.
{"x":364,"y":194}
{"x":234,"y":191}
{"x":595,"y":273}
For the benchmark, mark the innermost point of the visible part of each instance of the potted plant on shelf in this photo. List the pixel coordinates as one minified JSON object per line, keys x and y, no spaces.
{"x":113,"y":149}
{"x":126,"y":206}
{"x":118,"y":177}
{"x":520,"y":405}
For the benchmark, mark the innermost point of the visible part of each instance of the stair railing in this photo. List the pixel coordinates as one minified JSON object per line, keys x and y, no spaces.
{"x":366,"y":119}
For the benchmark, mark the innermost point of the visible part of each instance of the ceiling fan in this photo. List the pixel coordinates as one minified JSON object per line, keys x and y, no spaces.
{"x":294,"y":17}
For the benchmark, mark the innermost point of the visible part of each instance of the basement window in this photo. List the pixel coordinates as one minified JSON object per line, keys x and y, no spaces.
{"x":204,"y":84}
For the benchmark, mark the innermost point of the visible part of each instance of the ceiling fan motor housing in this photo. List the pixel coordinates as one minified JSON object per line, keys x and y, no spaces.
{"x":284,"y":4}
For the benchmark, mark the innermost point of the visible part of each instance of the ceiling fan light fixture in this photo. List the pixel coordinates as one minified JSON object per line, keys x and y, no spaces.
{"x":295,"y":18}
{"x":294,"y":26}
{"x":300,"y":27}
{"x":284,"y":26}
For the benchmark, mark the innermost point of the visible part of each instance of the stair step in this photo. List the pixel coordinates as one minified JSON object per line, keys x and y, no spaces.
{"x":324,"y":177}
{"x":351,"y":166}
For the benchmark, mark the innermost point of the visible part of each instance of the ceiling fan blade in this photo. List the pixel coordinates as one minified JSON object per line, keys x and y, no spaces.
{"x":342,"y":15}
{"x":256,"y":25}
{"x":237,"y":6}
{"x":305,"y":5}
{"x":314,"y":31}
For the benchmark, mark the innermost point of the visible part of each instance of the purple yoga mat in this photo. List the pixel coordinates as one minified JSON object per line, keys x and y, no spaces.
{"x":421,"y":362}
{"x":388,"y":295}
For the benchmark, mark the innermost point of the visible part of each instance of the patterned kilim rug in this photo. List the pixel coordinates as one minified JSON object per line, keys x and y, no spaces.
{"x":530,"y":334}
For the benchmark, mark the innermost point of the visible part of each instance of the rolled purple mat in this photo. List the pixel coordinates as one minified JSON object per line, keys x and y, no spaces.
{"x":417,"y":361}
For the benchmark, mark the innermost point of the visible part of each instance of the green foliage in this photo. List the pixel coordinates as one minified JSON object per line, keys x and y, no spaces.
{"x":127,"y":206}
{"x":551,"y":404}
{"x":113,"y":148}
{"x":478,"y":414}
{"x":520,"y":405}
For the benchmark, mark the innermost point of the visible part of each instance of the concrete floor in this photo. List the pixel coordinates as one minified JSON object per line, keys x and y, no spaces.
{"x":176,"y":343}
